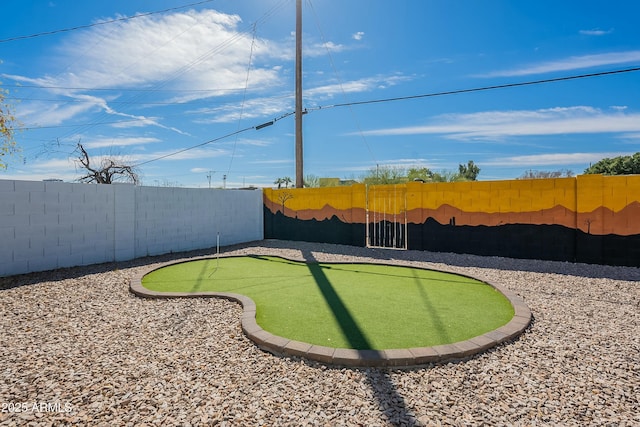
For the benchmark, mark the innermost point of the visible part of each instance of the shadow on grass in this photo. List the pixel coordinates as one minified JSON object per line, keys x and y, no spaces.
{"x":390,"y":402}
{"x":197,"y":287}
{"x":437,"y":322}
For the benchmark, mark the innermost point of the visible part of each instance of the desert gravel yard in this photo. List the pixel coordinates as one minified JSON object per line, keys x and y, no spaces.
{"x":78,"y":348}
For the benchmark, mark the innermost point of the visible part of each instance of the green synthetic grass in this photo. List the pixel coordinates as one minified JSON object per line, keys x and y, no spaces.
{"x":361,"y":306}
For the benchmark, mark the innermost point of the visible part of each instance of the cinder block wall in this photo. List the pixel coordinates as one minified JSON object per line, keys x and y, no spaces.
{"x":589,"y":218}
{"x":49,"y":225}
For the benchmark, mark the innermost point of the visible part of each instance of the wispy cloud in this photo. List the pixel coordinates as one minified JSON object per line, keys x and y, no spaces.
{"x":184,"y":51}
{"x":497,"y":125}
{"x":194,"y":154}
{"x":552,"y":159}
{"x":631,"y":136}
{"x":252,"y":109}
{"x":596,"y":32}
{"x":257,"y":108}
{"x":203,"y":54}
{"x":273,"y":162}
{"x":315,"y":49}
{"x":367,"y":84}
{"x":358,"y":36}
{"x":570,"y":63}
{"x":106,"y":142}
{"x":43,"y":169}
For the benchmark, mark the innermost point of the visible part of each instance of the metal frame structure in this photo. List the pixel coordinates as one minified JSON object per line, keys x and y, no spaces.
{"x":386,"y":217}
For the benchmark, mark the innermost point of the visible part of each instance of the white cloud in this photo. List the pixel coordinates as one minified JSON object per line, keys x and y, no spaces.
{"x":188,"y":49}
{"x":56,"y":168}
{"x":331,"y":46}
{"x":571,"y":63}
{"x":355,"y":86}
{"x":314,"y":49}
{"x":596,"y":32}
{"x":117,"y":142}
{"x":200,"y":170}
{"x":193,"y":154}
{"x":34,"y":114}
{"x":496,"y":125}
{"x":631,"y":136}
{"x":251,"y":142}
{"x":552,"y":159}
{"x":358,"y":36}
{"x":273,"y":162}
{"x":273,"y":107}
{"x":251,"y":110}
{"x":203,"y":54}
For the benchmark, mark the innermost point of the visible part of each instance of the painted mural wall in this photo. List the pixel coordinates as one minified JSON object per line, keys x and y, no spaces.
{"x":589,"y":218}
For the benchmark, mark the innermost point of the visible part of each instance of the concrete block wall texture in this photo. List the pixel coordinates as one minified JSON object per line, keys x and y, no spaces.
{"x":50,"y":225}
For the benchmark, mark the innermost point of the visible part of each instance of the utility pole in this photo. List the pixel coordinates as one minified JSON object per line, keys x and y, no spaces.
{"x":209,"y":178}
{"x":299,"y":167}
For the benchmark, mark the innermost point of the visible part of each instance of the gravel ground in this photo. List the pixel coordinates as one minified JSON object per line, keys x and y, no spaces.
{"x":78,"y":348}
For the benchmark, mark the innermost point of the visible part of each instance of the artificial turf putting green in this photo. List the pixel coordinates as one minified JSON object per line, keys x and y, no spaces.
{"x":361,"y":306}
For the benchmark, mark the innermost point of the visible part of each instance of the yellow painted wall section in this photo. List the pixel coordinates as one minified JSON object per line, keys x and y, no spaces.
{"x":342,"y":198}
{"x":590,"y":189}
{"x":611,"y":192}
{"x":497,"y":196}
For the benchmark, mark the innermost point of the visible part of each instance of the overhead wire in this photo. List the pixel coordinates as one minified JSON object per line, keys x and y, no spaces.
{"x":244,"y":96}
{"x":194,"y":146}
{"x":478,"y":89}
{"x":95,"y":24}
{"x":176,"y":74}
{"x":383,"y":100}
{"x":160,"y":85}
{"x":452,"y":92}
{"x":92,"y":124}
{"x":335,"y":71}
{"x":220,"y":138}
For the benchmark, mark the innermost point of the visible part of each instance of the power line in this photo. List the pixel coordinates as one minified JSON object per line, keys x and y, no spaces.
{"x":215,"y":50}
{"x":80,"y":27}
{"x":244,"y":96}
{"x":478,"y":89}
{"x":256,"y":127}
{"x":344,"y":94}
{"x":195,"y":146}
{"x":453,"y":92}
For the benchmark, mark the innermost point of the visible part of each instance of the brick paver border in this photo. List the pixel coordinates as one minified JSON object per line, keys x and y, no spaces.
{"x":406,"y":357}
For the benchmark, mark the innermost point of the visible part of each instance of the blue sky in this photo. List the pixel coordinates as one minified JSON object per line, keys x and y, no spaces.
{"x":145,"y":88}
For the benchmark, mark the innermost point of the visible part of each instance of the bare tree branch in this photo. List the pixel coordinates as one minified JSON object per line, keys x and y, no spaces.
{"x":108,"y":172}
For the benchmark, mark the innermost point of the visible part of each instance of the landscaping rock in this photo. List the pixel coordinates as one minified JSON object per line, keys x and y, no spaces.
{"x":79,"y":349}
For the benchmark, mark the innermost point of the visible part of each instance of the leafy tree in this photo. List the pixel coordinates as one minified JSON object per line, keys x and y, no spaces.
{"x":385,"y":175}
{"x":420,"y":174}
{"x":398,"y":175}
{"x":312,"y":181}
{"x":286,"y":181}
{"x":8,"y":127}
{"x":447,"y":176}
{"x":469,"y":172}
{"x":531,"y":174}
{"x":107,"y":171}
{"x":621,"y":165}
